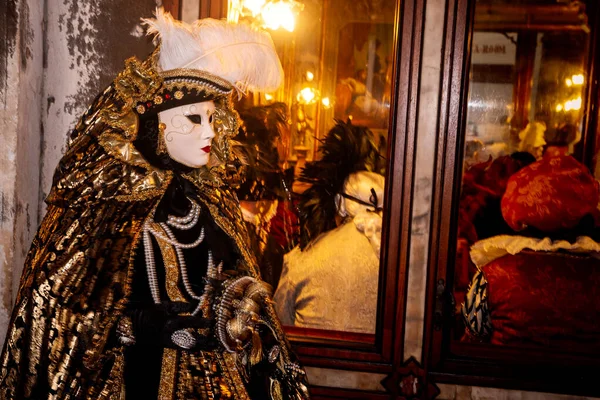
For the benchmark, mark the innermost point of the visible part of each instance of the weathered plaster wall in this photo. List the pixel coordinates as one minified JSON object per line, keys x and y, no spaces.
{"x":28,"y":128}
{"x":8,"y":130}
{"x":55,"y":56}
{"x":21,"y":51}
{"x":87,"y":42}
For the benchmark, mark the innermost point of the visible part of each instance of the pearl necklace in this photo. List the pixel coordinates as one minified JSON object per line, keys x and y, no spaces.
{"x":171,"y":239}
{"x":187,"y":222}
{"x":184,"y":223}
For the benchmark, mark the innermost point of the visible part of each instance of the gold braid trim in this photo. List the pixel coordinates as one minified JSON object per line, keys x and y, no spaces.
{"x":232,"y":374}
{"x":189,"y":77}
{"x":166,"y":389}
{"x":171,"y":265}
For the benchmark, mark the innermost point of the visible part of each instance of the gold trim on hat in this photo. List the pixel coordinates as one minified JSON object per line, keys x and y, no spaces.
{"x":187,"y":76}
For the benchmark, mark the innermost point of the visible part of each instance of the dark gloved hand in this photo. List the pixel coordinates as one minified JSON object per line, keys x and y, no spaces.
{"x":157,"y":324}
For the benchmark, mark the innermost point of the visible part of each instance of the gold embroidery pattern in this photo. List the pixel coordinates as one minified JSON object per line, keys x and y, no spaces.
{"x":58,"y":294}
{"x":171,"y":266}
{"x":226,"y":125}
{"x":136,"y":185}
{"x":166,"y":388}
{"x":184,"y":380}
{"x":124,"y":121}
{"x":138,"y":81}
{"x":232,"y":375}
{"x":114,"y":386}
{"x":162,"y":145}
{"x":199,"y":376}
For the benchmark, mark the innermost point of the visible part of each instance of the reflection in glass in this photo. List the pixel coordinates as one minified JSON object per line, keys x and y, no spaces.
{"x":364,"y":74}
{"x":330,"y":280}
{"x":312,"y":187}
{"x":527,"y":228}
{"x":526,"y":92}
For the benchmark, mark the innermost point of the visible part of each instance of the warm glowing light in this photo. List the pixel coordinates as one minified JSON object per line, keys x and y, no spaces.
{"x":577,"y":79}
{"x":254,"y":6}
{"x":559,"y":107}
{"x":307,"y":95}
{"x":278,"y":14}
{"x":268,"y":97}
{"x":326,"y":102}
{"x":573,"y":105}
{"x":310,"y":76}
{"x":569,"y":82}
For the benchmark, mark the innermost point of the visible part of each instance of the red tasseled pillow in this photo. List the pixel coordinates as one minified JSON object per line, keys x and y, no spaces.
{"x":551,"y":194}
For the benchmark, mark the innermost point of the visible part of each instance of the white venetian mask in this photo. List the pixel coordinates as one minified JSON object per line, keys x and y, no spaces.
{"x":189,"y":132}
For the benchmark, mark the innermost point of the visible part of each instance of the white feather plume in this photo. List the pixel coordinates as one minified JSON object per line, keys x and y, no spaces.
{"x":238,"y":53}
{"x":178,"y":42}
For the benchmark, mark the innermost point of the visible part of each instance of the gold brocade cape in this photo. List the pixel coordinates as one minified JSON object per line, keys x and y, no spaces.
{"x":77,"y":276}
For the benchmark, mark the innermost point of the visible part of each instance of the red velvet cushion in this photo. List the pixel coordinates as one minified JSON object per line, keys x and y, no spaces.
{"x":551,"y":194}
{"x":545,"y":299}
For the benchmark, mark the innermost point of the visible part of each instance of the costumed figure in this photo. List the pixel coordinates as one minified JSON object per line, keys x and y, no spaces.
{"x":479,"y":213}
{"x":140,"y":283}
{"x":330,"y":280}
{"x":263,"y":187}
{"x":531,"y":139}
{"x":540,"y":285}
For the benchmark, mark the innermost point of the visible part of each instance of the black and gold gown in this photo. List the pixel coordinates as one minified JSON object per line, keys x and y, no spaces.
{"x":83,"y":272}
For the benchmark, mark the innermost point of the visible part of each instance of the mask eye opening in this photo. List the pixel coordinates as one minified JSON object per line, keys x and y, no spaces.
{"x":195,"y":118}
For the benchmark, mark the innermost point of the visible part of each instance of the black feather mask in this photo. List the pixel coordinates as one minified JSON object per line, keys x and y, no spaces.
{"x":256,"y":175}
{"x":345,"y":150}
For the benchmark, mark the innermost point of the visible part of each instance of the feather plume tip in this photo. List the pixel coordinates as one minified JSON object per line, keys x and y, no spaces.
{"x":242,"y":55}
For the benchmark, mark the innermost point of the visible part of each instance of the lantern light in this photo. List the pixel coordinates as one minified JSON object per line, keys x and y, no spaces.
{"x":577,"y":79}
